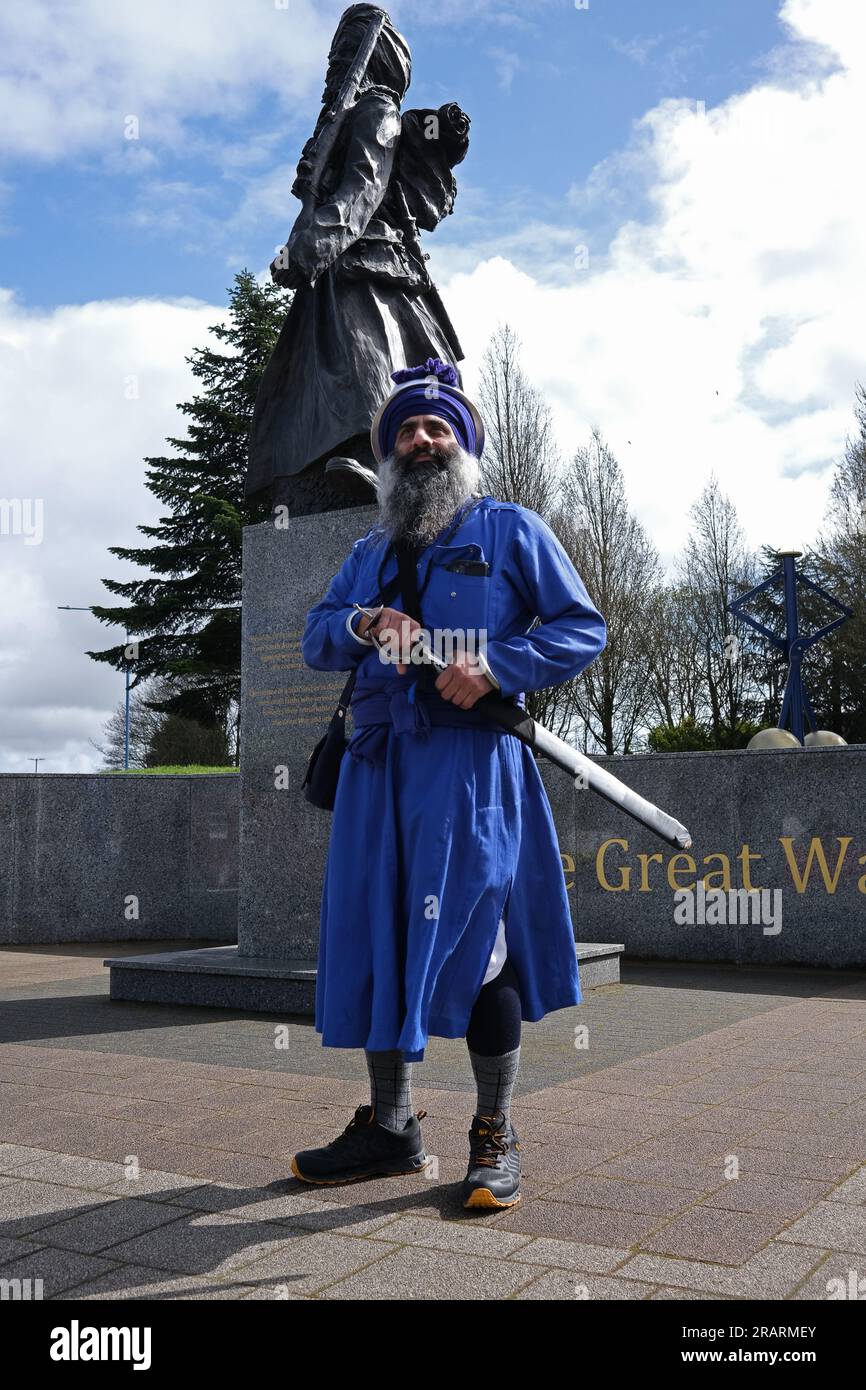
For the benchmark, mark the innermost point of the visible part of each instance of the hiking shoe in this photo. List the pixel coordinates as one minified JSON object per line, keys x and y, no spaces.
{"x":365,"y":1149}
{"x":493,"y":1176}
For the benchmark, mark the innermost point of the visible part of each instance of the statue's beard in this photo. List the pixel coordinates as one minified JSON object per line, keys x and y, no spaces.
{"x":417,"y":500}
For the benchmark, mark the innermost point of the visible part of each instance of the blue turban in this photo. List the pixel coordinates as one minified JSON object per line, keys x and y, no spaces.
{"x":428,"y":390}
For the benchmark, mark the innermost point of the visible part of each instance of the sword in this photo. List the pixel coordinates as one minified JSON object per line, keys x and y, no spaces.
{"x":585,"y":773}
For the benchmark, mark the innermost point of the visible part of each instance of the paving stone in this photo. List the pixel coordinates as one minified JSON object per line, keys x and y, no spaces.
{"x":736,"y":1121}
{"x":213,"y":1243}
{"x":469,"y":1236}
{"x":300,"y":1208}
{"x":842,"y":1125}
{"x":59,"y":1270}
{"x":817,"y":1145}
{"x":276,"y":1293}
{"x":771,"y":1273}
{"x":71,"y":1171}
{"x":768,"y":1193}
{"x":700,"y":1146}
{"x":853,"y":1190}
{"x":678,"y":1295}
{"x":164,"y":1187}
{"x":61,"y":1101}
{"x":134,"y":1283}
{"x":621,"y":1148}
{"x":612,"y":1193}
{"x":710,"y":1233}
{"x":413,"y":1273}
{"x":550,"y":1165}
{"x":96,"y":1231}
{"x":215,"y":1196}
{"x":558,"y":1286}
{"x":609,"y":1139}
{"x":13,"y":1247}
{"x":574,"y":1221}
{"x":840,"y":1278}
{"x":15,"y":1156}
{"x":570,"y":1254}
{"x":211,"y":1165}
{"x":832,"y":1225}
{"x":792,"y":1165}
{"x":27,"y":1206}
{"x":714,"y":1087}
{"x":306,"y":1263}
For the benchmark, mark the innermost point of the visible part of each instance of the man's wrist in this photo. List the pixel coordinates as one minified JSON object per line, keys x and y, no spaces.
{"x":486,"y":671}
{"x":365,"y":641}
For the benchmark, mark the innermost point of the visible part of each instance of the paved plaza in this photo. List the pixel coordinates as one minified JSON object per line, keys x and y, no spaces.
{"x":694,"y":1132}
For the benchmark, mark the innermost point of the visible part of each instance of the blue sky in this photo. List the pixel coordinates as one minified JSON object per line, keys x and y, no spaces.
{"x":552,"y":91}
{"x":703,"y":154}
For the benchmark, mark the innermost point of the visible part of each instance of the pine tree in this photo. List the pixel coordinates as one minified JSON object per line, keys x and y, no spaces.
{"x":184,"y":621}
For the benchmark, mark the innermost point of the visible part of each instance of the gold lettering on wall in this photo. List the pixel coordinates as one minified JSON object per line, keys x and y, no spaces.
{"x":304,"y":698}
{"x":806,"y":865}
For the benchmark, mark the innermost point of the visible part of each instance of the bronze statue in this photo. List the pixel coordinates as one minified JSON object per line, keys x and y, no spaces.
{"x":364,"y":303}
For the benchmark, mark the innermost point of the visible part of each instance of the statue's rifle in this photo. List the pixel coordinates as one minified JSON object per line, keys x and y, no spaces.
{"x":316,"y":161}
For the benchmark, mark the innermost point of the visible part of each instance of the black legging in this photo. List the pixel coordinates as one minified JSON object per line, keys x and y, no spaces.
{"x":494,"y":1024}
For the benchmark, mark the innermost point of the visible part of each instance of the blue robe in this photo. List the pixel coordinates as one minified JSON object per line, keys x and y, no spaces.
{"x":441,"y":823}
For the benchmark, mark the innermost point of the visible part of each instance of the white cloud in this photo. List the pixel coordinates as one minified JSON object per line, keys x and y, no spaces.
{"x":746,"y":278}
{"x":75,"y":440}
{"x":73,"y":71}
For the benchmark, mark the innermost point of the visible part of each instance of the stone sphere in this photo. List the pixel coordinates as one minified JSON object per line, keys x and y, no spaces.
{"x":825,"y":738}
{"x":773,"y":738}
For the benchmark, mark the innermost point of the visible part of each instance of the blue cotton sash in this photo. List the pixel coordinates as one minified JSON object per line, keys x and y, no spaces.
{"x":399,"y":702}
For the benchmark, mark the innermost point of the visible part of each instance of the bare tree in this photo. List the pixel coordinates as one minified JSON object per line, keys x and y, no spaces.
{"x":621,"y":570}
{"x":715,"y":567}
{"x":671,"y":645}
{"x":520,"y":462}
{"x":144,"y":725}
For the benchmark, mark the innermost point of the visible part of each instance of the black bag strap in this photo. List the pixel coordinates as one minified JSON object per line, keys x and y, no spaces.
{"x":407,"y":573}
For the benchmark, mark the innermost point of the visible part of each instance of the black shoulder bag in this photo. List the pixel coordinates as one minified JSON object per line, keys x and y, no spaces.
{"x":323,"y":768}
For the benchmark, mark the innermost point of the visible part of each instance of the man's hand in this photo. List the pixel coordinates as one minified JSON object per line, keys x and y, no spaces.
{"x":463,"y":682}
{"x":390,"y":620}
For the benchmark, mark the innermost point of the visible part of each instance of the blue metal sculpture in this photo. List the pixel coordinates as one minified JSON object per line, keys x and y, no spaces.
{"x":795,"y":702}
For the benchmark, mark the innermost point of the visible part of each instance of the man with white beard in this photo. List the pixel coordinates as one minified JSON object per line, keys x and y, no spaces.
{"x":444,"y":909}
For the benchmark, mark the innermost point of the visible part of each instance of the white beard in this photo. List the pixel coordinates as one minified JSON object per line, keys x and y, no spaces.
{"x":417,"y":501}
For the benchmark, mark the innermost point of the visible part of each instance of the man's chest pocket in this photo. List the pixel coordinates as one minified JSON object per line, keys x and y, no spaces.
{"x":457,"y":593}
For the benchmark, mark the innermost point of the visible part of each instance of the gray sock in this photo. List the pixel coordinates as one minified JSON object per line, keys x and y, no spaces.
{"x":390,"y":1088}
{"x":495,"y":1078}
